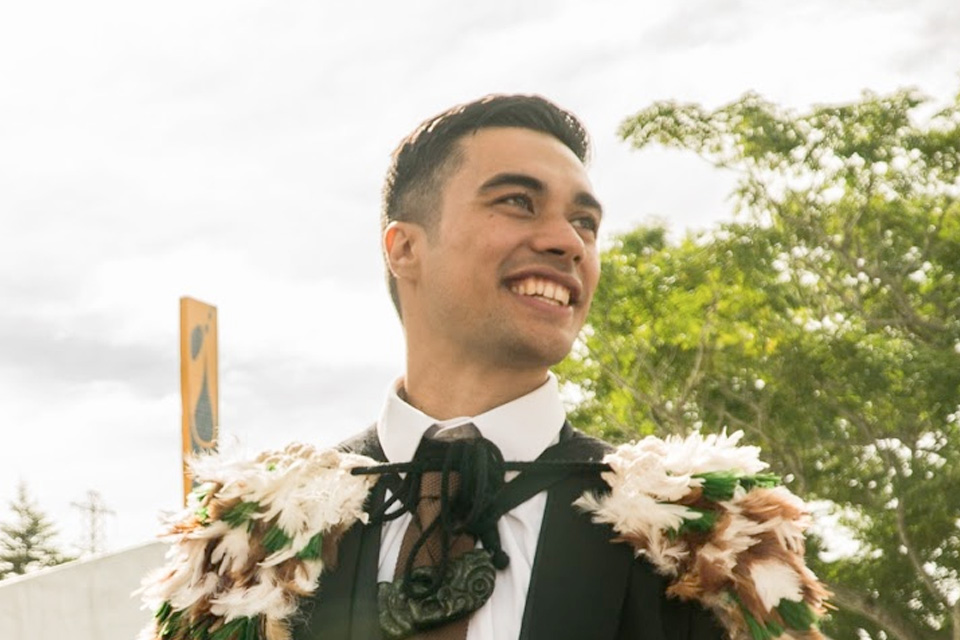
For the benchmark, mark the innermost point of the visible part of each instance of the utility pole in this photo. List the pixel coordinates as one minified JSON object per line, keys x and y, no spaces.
{"x":93,"y":511}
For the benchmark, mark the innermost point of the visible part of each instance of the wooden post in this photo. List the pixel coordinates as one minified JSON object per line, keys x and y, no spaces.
{"x":198,"y":381}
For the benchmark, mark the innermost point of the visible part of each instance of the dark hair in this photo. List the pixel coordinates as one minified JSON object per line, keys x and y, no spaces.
{"x":426,"y":158}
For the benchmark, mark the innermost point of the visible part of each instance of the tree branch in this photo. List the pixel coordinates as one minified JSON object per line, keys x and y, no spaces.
{"x":880,"y":615}
{"x":914,"y":556}
{"x":695,"y":375}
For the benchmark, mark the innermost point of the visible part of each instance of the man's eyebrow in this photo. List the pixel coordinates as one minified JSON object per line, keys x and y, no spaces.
{"x":514,"y":180}
{"x":582,"y":199}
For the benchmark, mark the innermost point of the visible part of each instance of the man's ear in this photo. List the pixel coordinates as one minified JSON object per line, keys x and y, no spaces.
{"x":401,"y":246}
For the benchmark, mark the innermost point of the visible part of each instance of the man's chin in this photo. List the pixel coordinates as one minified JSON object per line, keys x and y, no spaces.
{"x":539,"y":353}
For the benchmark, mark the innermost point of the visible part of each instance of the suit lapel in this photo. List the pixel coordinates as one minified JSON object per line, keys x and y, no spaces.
{"x":575,"y":560}
{"x":345,"y":605}
{"x":365,"y":615}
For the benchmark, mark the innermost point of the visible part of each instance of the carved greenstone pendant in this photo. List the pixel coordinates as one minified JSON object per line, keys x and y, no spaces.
{"x":467,"y":584}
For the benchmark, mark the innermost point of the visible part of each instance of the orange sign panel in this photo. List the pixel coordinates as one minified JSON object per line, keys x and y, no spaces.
{"x":198,"y":381}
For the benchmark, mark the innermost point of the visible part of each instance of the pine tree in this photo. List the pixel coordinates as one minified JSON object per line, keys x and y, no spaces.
{"x":26,"y":542}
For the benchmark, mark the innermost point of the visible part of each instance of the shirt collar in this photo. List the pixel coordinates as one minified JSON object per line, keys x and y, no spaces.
{"x":521,"y":428}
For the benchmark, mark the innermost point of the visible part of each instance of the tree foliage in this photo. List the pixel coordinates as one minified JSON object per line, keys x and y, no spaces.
{"x":26,"y":542}
{"x":825,"y":324}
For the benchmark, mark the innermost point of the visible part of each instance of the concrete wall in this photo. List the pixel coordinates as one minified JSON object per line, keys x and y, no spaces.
{"x":83,"y":600}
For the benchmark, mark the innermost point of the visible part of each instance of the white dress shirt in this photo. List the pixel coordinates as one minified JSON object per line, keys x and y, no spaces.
{"x":522,"y":429}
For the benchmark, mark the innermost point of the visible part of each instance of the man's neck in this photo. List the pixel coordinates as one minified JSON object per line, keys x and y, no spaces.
{"x":466,"y":391}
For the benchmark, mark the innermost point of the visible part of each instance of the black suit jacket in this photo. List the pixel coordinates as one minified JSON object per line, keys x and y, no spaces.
{"x":583,"y":586}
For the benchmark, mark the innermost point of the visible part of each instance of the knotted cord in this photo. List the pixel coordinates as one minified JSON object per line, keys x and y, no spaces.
{"x":475,"y":506}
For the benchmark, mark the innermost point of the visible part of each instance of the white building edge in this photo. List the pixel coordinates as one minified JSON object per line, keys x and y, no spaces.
{"x":89,"y":599}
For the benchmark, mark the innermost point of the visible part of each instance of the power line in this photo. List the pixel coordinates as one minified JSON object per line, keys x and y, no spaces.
{"x":93,"y":512}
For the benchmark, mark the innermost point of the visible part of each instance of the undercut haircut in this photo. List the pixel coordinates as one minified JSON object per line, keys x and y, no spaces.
{"x":425,"y":159}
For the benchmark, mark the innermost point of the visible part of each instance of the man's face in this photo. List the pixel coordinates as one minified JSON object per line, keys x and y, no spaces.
{"x":508,"y":275}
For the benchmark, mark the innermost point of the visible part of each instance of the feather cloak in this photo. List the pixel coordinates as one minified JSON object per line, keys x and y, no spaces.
{"x":258,"y":534}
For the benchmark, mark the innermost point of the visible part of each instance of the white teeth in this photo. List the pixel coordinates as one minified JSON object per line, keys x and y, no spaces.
{"x":547,"y":290}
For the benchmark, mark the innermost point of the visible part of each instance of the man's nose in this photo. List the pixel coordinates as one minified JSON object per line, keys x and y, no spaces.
{"x":557,"y":235}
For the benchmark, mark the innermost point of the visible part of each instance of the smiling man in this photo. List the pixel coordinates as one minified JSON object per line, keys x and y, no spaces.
{"x":494,"y":285}
{"x":490,"y":229}
{"x":472,"y":510}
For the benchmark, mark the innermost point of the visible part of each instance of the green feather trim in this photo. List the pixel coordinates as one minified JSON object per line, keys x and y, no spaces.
{"x":721,"y":485}
{"x":760,"y":481}
{"x":797,"y":615}
{"x":170,"y":627}
{"x":767,"y":629}
{"x":718,"y":485}
{"x":253,"y":630}
{"x":312,"y":549}
{"x":275,"y":539}
{"x":759,"y":630}
{"x":775,"y":629}
{"x":238,"y":629}
{"x":699,"y":525}
{"x":163,"y":612}
{"x":198,"y":631}
{"x":240,"y":513}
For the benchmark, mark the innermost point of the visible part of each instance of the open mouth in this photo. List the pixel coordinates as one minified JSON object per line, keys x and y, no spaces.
{"x":542,"y":289}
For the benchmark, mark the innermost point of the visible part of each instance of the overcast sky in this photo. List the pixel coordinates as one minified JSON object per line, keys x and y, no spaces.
{"x":233,"y":151}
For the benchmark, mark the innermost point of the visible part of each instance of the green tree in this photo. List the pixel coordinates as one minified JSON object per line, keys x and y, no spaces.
{"x":26,"y":542}
{"x":825,"y":324}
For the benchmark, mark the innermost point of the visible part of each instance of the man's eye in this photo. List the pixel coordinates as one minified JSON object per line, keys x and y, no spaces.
{"x":518,"y":200}
{"x":587,"y":222}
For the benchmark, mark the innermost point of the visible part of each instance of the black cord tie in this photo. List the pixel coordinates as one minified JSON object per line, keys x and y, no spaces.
{"x":476,"y":465}
{"x":474,"y":507}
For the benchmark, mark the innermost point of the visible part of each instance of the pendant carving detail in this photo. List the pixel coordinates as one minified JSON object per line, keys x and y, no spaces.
{"x":466,"y":586}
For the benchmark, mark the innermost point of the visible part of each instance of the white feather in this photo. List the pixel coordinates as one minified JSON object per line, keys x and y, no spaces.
{"x":267,"y":598}
{"x":232,"y":551}
{"x":308,"y":492}
{"x":775,"y":581}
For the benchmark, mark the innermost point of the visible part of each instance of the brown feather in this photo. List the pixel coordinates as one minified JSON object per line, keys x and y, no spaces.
{"x":766,"y":504}
{"x":331,"y":545}
{"x":274,"y":629}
